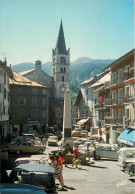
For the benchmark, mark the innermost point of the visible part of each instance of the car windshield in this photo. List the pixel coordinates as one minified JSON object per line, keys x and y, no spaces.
{"x":130,"y":155}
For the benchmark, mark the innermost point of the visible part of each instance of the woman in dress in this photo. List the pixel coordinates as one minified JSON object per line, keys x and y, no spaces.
{"x":58,"y":171}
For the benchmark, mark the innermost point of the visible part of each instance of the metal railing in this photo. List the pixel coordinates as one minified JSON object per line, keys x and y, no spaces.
{"x":111,"y":101}
{"x":119,"y":80}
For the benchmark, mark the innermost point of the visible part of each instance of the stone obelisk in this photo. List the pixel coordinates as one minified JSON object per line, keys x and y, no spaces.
{"x":67,"y":123}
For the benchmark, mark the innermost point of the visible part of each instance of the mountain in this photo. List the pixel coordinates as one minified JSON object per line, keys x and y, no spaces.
{"x":81,"y":69}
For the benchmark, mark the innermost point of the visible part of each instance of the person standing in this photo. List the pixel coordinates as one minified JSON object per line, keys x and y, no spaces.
{"x":76,"y":156}
{"x":60,"y":163}
{"x":88,"y":153}
{"x":66,"y":150}
{"x":58,"y":172}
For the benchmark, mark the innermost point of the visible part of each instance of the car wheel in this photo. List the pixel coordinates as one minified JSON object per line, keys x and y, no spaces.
{"x":40,"y":151}
{"x":18,"y":151}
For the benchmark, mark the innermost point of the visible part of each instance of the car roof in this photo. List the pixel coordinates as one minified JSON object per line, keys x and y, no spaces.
{"x":21,"y":188}
{"x":128,"y":149}
{"x":27,"y":158}
{"x":34,"y":168}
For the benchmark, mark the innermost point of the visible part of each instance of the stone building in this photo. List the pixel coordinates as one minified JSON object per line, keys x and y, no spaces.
{"x":58,"y":82}
{"x":28,"y":105}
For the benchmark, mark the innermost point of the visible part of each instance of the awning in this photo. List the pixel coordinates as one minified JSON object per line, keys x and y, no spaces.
{"x":32,"y":123}
{"x":101,"y":98}
{"x":82,"y":121}
{"x":127,"y":137}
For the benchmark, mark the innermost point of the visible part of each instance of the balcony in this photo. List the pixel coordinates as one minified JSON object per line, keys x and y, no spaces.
{"x":129,"y":99}
{"x":114,"y":83}
{"x":110,"y":120}
{"x":116,"y":101}
{"x":99,"y":106}
{"x":129,"y":75}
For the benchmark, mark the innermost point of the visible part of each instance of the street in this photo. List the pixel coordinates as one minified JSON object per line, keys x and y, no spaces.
{"x":102,"y":176}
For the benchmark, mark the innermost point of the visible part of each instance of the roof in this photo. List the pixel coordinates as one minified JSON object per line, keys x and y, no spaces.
{"x":60,"y":45}
{"x":101,"y":81}
{"x":126,"y":149}
{"x":87,"y":81}
{"x":6,"y":69}
{"x":79,"y":96}
{"x":120,"y":59}
{"x":26,"y":72}
{"x":21,"y":80}
{"x":34,"y":168}
{"x":127,"y":137}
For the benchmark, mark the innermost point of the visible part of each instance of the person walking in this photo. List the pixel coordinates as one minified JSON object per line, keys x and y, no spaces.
{"x":88,"y":153}
{"x":76,"y":156}
{"x":58,"y":172}
{"x":60,"y":163}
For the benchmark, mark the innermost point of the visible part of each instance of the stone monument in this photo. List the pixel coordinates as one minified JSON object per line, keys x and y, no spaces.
{"x":67,"y":123}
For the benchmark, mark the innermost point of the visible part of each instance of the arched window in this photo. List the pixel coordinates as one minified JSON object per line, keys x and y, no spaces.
{"x":61,"y":69}
{"x":62,"y":78}
{"x":64,"y":70}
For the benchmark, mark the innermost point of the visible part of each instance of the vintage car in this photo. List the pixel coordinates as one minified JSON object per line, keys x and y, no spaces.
{"x":107,"y":151}
{"x":53,"y":141}
{"x":26,"y":160}
{"x":10,"y":188}
{"x":41,"y":175}
{"x":26,"y":147}
{"x":88,"y":144}
{"x":79,"y":134}
{"x":126,"y":155}
{"x":130,"y":169}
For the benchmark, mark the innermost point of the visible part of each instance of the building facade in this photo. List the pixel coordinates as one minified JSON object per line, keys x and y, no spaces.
{"x":5,"y":73}
{"x":28,"y":105}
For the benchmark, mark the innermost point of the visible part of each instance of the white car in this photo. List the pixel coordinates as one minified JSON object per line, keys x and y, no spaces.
{"x":107,"y":151}
{"x":53,"y":141}
{"x":126,"y":155}
{"x":26,"y":160}
{"x":87,"y":144}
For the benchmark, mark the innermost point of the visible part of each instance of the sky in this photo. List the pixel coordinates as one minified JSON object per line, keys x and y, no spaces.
{"x":99,"y":29}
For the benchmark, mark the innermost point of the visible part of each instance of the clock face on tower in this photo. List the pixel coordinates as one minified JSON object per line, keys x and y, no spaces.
{"x":62,"y":89}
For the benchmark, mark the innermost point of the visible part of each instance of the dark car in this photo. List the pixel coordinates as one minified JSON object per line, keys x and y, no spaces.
{"x":41,"y":175}
{"x":58,"y":134}
{"x":10,"y":188}
{"x":130,"y":168}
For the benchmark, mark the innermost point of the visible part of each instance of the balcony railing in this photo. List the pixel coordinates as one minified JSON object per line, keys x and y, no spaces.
{"x":129,"y":74}
{"x":110,"y":120}
{"x":129,"y":99}
{"x":110,"y":101}
{"x":99,"y":106}
{"x":119,"y":80}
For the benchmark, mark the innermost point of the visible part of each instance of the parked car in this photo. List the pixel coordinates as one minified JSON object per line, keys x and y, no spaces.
{"x":130,"y":168}
{"x":58,"y":134}
{"x":53,"y":141}
{"x":79,"y":134}
{"x":107,"y":151}
{"x":26,"y":160}
{"x":126,"y":155}
{"x":26,"y":147}
{"x":85,"y":145}
{"x":28,"y":135}
{"x":10,"y":188}
{"x":41,"y":175}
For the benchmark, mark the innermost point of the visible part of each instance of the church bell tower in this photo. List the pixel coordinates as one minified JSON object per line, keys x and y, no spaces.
{"x":61,"y":65}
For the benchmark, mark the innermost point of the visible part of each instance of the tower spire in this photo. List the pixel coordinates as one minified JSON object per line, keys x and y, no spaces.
{"x":61,"y":45}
